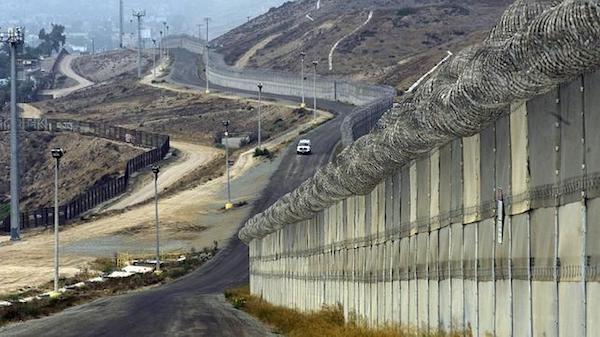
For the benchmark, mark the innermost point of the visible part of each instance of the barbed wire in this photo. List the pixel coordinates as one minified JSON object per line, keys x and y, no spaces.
{"x":536,"y":45}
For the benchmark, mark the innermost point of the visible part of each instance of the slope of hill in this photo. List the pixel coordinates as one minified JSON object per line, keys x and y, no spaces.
{"x":384,"y":41}
{"x":87,"y":160}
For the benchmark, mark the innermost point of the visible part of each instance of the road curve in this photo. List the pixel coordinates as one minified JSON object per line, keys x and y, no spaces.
{"x":192,"y":305}
{"x":192,"y":156}
{"x":66,"y":68}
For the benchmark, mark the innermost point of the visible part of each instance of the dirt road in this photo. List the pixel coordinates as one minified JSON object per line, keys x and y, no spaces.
{"x":67,"y":69}
{"x":191,"y":157}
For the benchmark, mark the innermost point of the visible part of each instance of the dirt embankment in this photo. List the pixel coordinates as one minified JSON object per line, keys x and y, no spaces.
{"x":86,"y":161}
{"x":105,"y":66}
{"x":403,"y":39}
{"x":185,"y":116}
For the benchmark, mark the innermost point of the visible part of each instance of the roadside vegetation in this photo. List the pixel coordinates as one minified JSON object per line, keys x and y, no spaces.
{"x":92,"y":283}
{"x":4,"y":211}
{"x":327,"y":322}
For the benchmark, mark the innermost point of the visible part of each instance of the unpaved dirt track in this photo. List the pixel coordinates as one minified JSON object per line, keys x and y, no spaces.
{"x":67,"y":69}
{"x":190,"y":306}
{"x":192,"y":156}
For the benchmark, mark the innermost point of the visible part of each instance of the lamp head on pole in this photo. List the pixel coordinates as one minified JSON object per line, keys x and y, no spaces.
{"x":155,"y":169}
{"x":260,"y":86}
{"x":226,"y":125}
{"x":57,"y":153}
{"x":315,"y":63}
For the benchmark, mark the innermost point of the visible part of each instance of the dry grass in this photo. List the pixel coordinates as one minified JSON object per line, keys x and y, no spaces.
{"x":46,"y":306}
{"x":327,"y":322}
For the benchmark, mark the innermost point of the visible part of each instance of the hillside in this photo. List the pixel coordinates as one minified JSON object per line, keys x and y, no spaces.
{"x":184,"y":116}
{"x":398,"y":42}
{"x":87,"y":160}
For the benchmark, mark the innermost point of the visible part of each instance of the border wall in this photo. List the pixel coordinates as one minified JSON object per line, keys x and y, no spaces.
{"x":100,"y":192}
{"x":371,"y":100}
{"x":498,"y":232}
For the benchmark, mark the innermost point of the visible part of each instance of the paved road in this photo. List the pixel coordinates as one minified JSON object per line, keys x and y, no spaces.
{"x":192,"y":306}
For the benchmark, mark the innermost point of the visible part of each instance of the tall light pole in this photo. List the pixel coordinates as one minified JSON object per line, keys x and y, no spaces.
{"x":156,"y":170}
{"x":14,"y":37}
{"x":167,"y":51}
{"x":207,"y":57}
{"x":166,"y":34}
{"x":260,"y":86}
{"x":315,"y":63}
{"x":139,"y":15}
{"x":57,"y":153}
{"x":154,"y":58}
{"x":121,"y":24}
{"x":302,"y":55}
{"x":160,"y":45}
{"x":228,"y":205}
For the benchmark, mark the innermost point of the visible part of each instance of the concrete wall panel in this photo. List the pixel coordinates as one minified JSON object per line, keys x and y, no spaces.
{"x":471,"y":178}
{"x":435,"y":189}
{"x":413,"y":304}
{"x":592,"y":120}
{"x":456,"y":201}
{"x":488,"y":171}
{"x":593,"y":309}
{"x":503,"y":155}
{"x":422,"y":280}
{"x":396,"y":301}
{"x":456,"y":273}
{"x":445,"y":183}
{"x":519,"y":156}
{"x":413,"y":198}
{"x":571,"y":128}
{"x":544,"y":301}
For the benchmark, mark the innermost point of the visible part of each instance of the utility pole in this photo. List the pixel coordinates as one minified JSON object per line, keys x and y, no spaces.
{"x":166,"y":32}
{"x":302,"y":55}
{"x":260,"y":87}
{"x":199,"y":31}
{"x":93,"y":47}
{"x":156,"y":170}
{"x":154,"y":58}
{"x":160,"y":45}
{"x":228,"y":205}
{"x":207,"y":57}
{"x":14,"y":37}
{"x":315,"y":63}
{"x":167,"y":51}
{"x":57,"y":153}
{"x":139,"y":15}
{"x":121,"y":24}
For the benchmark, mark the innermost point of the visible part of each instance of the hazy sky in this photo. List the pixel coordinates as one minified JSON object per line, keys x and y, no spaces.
{"x":225,"y":14}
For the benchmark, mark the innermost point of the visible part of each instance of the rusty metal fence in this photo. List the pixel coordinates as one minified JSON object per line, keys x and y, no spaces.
{"x":99,"y":193}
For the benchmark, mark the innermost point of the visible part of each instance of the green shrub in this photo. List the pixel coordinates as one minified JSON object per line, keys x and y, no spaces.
{"x":263,"y":153}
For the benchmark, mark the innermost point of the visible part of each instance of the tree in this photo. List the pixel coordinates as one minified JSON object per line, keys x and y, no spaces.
{"x":52,"y":41}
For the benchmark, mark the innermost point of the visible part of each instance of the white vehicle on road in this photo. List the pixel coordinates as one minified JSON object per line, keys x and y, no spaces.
{"x":303,"y":147}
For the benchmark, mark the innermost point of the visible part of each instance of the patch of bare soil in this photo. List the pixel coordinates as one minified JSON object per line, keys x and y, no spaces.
{"x":87,"y":161}
{"x":105,"y":66}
